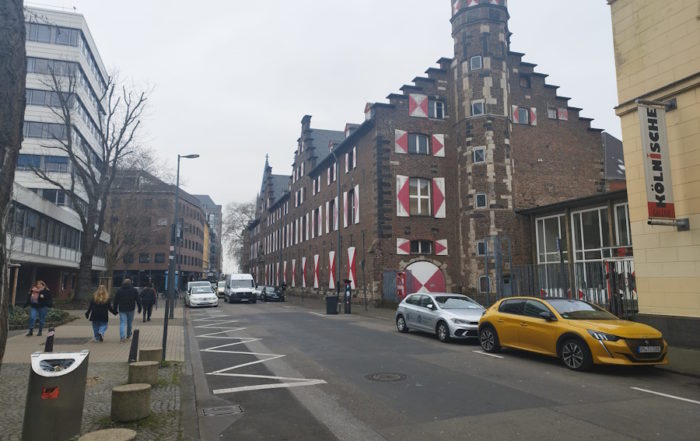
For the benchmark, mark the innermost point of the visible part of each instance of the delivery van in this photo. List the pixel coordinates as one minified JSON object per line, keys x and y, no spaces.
{"x":239,"y":288}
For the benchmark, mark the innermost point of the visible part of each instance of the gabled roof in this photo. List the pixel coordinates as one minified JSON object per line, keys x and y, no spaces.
{"x":321,"y":140}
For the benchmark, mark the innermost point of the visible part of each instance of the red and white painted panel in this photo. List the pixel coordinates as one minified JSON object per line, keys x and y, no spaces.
{"x":303,"y":272}
{"x":403,"y":246}
{"x":352,"y":267}
{"x":294,"y":273}
{"x":331,"y":269}
{"x":438,"y":144}
{"x":441,"y":247}
{"x":400,"y":141}
{"x":439,"y":198}
{"x":316,"y":279}
{"x":418,"y":105}
{"x":402,"y":196}
{"x":425,"y":277}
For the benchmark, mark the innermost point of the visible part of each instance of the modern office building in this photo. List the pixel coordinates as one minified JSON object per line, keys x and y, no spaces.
{"x":657,"y":55}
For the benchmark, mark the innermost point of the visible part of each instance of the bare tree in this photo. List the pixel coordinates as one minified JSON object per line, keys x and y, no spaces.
{"x":92,"y":172}
{"x":237,"y":217}
{"x":13,"y":71}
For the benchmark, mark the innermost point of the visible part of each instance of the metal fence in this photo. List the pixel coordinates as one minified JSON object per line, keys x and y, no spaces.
{"x":610,"y":284}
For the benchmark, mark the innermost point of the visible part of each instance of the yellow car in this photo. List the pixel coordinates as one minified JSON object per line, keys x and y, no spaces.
{"x":579,"y":333}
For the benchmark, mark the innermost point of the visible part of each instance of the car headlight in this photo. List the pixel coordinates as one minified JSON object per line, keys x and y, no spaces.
{"x":460,"y":321}
{"x":602,"y":336}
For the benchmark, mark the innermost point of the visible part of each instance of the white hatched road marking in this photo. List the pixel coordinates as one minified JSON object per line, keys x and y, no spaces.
{"x":487,"y":354}
{"x":687,"y":400}
{"x":220,"y":323}
{"x":319,"y":314}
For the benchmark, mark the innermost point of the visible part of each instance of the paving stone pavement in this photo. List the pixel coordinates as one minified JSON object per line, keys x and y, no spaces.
{"x":107,"y":368}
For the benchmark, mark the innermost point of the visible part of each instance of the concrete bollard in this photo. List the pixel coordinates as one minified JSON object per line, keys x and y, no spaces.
{"x":143,"y":372}
{"x":131,"y":402}
{"x":110,"y":435}
{"x":151,"y":354}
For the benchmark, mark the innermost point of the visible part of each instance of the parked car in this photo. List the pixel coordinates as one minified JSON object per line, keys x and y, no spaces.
{"x":220,"y":288}
{"x":239,"y":288}
{"x":579,"y":333}
{"x":449,"y":316}
{"x":201,"y":296}
{"x":190,"y":285}
{"x":258,"y":290}
{"x":273,"y":294}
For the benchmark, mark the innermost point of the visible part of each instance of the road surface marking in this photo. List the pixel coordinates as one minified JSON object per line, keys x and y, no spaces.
{"x":487,"y":354}
{"x":318,"y":314}
{"x":267,"y":386}
{"x":687,"y":400}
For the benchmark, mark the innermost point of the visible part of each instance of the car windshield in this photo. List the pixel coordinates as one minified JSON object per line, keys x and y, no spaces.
{"x":199,"y":284}
{"x":578,"y":310}
{"x":457,"y":302}
{"x":242,"y":283}
{"x":201,"y":290}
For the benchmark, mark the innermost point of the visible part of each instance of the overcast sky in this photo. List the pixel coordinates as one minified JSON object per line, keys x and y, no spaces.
{"x":232,"y":79}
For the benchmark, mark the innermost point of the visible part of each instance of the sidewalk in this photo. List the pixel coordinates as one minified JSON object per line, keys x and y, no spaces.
{"x":107,"y":368}
{"x":681,"y":360}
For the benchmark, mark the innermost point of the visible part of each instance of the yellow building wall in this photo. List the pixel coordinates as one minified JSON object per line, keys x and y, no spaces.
{"x":657,"y":53}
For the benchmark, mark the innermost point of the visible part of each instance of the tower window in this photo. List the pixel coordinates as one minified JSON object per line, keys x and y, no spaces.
{"x":524,"y":81}
{"x":436,"y":109}
{"x":475,"y":63}
{"x":418,"y":144}
{"x":419,"y":194}
{"x":478,"y":107}
{"x":481,"y":248}
{"x":478,"y":155}
{"x":552,"y":112}
{"x":421,"y":247}
{"x":481,"y":200}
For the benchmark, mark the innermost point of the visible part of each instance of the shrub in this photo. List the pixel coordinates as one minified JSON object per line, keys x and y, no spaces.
{"x":19,"y":317}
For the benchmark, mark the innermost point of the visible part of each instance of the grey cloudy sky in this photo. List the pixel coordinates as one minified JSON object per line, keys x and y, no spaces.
{"x":232,"y":79}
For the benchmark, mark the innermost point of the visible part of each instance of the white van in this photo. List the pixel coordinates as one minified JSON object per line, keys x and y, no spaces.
{"x":239,"y":288}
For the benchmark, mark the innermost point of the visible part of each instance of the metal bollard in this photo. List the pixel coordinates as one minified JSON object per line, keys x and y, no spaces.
{"x":48,"y":345}
{"x":134,"y":350}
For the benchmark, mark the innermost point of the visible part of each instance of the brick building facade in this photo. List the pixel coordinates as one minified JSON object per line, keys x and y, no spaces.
{"x":429,"y":185}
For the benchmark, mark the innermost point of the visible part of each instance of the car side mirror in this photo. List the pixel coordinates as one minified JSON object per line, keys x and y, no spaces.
{"x":431,"y":306}
{"x":547,"y":315}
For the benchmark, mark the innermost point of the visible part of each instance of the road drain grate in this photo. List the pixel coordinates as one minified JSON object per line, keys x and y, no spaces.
{"x":224,"y":410}
{"x":386,"y":377}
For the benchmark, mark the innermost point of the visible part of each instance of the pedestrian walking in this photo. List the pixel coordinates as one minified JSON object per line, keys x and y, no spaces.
{"x":98,"y":312}
{"x":125,"y":301}
{"x":40,"y":301}
{"x":148,"y":299}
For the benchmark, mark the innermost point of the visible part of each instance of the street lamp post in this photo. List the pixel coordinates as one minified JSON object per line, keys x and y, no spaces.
{"x":172,"y":289}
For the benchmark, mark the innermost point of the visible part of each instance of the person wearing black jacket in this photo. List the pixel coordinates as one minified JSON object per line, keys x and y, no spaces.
{"x":98,"y":312}
{"x":125,"y":301}
{"x":40,"y":300}
{"x":148,"y":299}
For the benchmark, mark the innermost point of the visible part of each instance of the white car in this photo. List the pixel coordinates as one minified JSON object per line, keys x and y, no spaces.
{"x":449,"y":316}
{"x":201,"y":296}
{"x":199,"y":283}
{"x":220,"y":288}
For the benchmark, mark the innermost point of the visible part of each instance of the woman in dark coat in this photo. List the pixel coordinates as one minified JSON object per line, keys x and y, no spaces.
{"x":98,"y":312}
{"x":148,"y":299}
{"x":40,"y":301}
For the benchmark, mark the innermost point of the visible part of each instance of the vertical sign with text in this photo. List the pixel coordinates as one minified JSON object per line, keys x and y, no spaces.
{"x":657,"y":162}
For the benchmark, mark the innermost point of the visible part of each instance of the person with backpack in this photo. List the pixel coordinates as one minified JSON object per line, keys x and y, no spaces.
{"x":39,"y":299}
{"x":98,"y":312}
{"x":125,"y":301}
{"x":148,"y":299}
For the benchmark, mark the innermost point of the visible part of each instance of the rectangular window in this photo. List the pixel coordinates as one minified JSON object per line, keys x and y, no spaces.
{"x":419,"y":196}
{"x":128,"y":258}
{"x":523,"y":115}
{"x":28,"y":162}
{"x":478,"y":107}
{"x":481,"y":201}
{"x":551,"y":233}
{"x":481,"y":248}
{"x":622,"y":225}
{"x":524,"y":81}
{"x":475,"y":63}
{"x":144,"y":258}
{"x":478,"y":155}
{"x":436,"y":109}
{"x":552,"y":112}
{"x":58,"y":164}
{"x":421,"y":247}
{"x":418,"y":144}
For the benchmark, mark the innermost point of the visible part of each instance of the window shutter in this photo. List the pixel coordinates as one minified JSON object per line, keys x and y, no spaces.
{"x":402,"y":196}
{"x":316,"y":284}
{"x":329,"y":176}
{"x":306,"y":232}
{"x":515,"y":114}
{"x":303,"y":272}
{"x":357,"y":204}
{"x":439,"y":197}
{"x":284,"y":272}
{"x":438,"y":145}
{"x":418,"y":105}
{"x":403,"y":247}
{"x":563,"y":114}
{"x":320,"y":221}
{"x":533,"y":116}
{"x":345,"y":209}
{"x":347,"y":162}
{"x":401,"y":141}
{"x":294,"y":272}
{"x":352,"y":267}
{"x":335,"y":214}
{"x":331,"y":269}
{"x":354,"y":157}
{"x":313,"y":223}
{"x":328,"y":217}
{"x":441,"y":247}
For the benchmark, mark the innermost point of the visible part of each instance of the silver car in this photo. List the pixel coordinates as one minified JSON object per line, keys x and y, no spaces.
{"x":447,"y":315}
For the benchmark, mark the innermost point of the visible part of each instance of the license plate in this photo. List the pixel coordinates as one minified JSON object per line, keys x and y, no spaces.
{"x":649,"y":349}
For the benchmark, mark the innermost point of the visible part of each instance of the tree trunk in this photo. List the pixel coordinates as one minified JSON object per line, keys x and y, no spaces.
{"x":13,"y":72}
{"x":84,"y":287}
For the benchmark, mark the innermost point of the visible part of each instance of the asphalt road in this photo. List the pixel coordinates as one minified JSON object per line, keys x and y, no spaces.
{"x":293,"y":374}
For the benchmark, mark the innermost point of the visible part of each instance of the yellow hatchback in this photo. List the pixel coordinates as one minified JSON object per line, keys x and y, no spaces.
{"x":579,"y":333}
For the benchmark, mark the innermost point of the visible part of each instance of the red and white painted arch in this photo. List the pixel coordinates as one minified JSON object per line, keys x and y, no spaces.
{"x":425,"y":277}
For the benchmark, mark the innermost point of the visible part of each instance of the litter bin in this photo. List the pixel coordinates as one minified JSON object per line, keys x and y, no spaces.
{"x":331,"y":305}
{"x":55,"y":396}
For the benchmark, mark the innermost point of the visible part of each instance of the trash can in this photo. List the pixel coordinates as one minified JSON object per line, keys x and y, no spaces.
{"x":55,"y":396}
{"x":331,"y":305}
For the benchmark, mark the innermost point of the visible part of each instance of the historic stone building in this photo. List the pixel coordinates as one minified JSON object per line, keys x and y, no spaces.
{"x":425,"y":193}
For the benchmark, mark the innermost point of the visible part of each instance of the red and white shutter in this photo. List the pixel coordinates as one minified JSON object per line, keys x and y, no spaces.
{"x":418,"y":105}
{"x":354,"y":157}
{"x":320,"y":220}
{"x":438,"y":142}
{"x":308,"y":224}
{"x":331,"y":269}
{"x":403,"y":247}
{"x":439,"y":198}
{"x":335,"y":214}
{"x":514,"y":110}
{"x":303,"y":272}
{"x":313,"y":224}
{"x":345,"y":209}
{"x":347,"y":162}
{"x":441,"y":247}
{"x":278,"y":274}
{"x":533,"y":116}
{"x":357,"y":204}
{"x":328,"y":217}
{"x":400,"y":141}
{"x":294,"y":273}
{"x":402,"y":196}
{"x":284,"y":272}
{"x":329,"y":176}
{"x":563,"y":114}
{"x":471,"y":3}
{"x":316,"y":271}
{"x":352,"y":267}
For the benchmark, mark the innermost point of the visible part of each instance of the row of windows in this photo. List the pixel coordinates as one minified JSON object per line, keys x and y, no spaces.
{"x":52,"y":164}
{"x":53,"y":131}
{"x":63,"y":68}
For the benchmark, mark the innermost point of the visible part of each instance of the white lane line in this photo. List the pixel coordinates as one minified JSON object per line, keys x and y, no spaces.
{"x":267,"y":386}
{"x":687,"y":400}
{"x":318,"y":314}
{"x":487,"y":354}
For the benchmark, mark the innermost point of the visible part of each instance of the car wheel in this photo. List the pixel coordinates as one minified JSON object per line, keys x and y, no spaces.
{"x":401,"y":324}
{"x":489,"y":339}
{"x":443,"y":332}
{"x":576,"y":355}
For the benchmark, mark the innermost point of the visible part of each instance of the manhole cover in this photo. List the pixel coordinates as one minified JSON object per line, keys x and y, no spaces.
{"x":386,"y":377}
{"x":71,"y":341}
{"x":224,"y":410}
